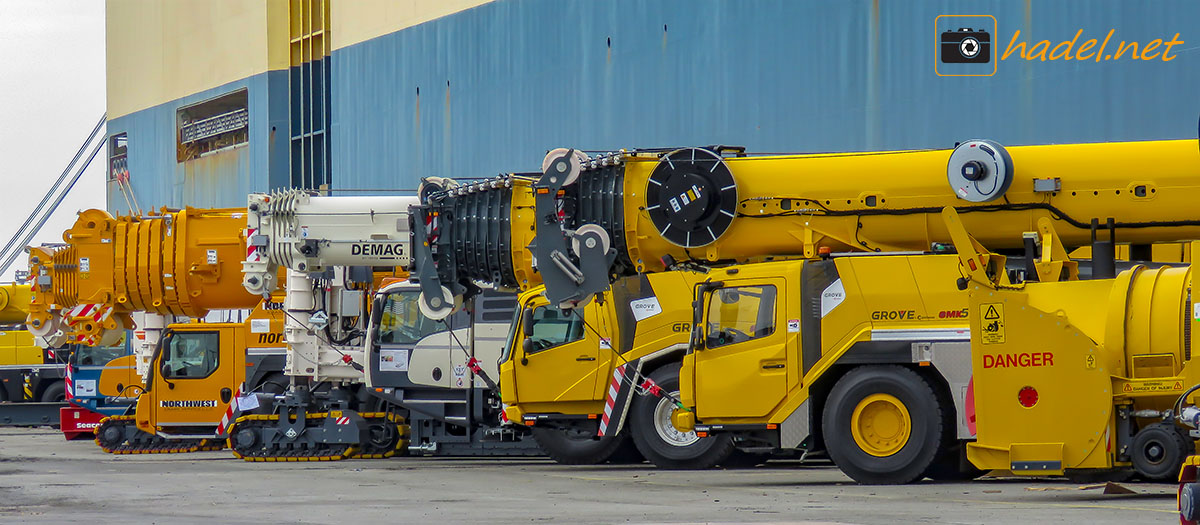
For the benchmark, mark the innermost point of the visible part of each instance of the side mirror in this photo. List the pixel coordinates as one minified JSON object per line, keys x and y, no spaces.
{"x":728,"y":296}
{"x":527,"y":346}
{"x":527,"y":322}
{"x":165,"y":370}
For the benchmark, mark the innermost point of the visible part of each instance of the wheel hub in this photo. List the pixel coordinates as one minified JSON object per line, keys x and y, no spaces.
{"x":381,"y":435}
{"x":112,"y":434}
{"x":245,"y":438}
{"x":667,"y":431}
{"x":1155,"y":452}
{"x":881,"y":425}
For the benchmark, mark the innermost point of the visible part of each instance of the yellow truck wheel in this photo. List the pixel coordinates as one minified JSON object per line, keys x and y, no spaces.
{"x":883,"y":425}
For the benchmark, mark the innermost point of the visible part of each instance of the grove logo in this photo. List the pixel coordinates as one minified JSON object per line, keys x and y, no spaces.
{"x":970,"y":46}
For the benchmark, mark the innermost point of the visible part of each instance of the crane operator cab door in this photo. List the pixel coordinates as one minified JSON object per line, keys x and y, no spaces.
{"x":194,"y":378}
{"x":559,"y":354}
{"x":409,"y":349}
{"x":741,"y":367}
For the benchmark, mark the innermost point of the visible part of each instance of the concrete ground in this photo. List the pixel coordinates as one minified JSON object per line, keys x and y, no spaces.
{"x":44,"y":479}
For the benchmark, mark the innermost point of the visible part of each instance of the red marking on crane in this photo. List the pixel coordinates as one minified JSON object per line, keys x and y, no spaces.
{"x":225,"y":419}
{"x":614,"y":386}
{"x":969,"y":401}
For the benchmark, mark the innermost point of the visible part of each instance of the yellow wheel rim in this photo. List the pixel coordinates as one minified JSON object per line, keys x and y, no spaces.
{"x":880,"y":425}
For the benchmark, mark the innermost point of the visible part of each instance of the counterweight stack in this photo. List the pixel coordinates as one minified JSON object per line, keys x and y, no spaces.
{"x":177,"y":263}
{"x":586,"y":219}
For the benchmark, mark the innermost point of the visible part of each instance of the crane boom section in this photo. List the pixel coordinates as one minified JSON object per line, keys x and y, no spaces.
{"x":310,"y":233}
{"x":641,"y":210}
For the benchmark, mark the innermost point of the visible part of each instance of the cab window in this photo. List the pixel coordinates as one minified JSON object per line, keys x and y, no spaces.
{"x":98,"y":355}
{"x":552,"y":328}
{"x":401,"y":321}
{"x":740,"y":314}
{"x":193,"y":354}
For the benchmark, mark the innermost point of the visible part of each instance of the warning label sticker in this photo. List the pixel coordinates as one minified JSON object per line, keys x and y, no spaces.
{"x":1134,"y":387}
{"x":460,"y":376}
{"x":992,"y":318}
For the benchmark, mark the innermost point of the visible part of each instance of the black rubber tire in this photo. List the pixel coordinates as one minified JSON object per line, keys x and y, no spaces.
{"x":952,"y":465}
{"x":1089,"y":476}
{"x":739,"y":460}
{"x":1158,"y":450}
{"x":55,"y":393}
{"x":925,"y":438}
{"x":275,"y":383}
{"x":627,"y":452}
{"x":705,"y":453}
{"x":567,"y":449}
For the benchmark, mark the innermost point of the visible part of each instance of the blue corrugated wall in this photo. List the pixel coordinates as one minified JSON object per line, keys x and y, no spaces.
{"x":502,"y":83}
{"x":221,"y":179}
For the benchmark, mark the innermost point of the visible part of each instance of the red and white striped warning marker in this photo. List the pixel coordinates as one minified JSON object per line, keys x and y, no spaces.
{"x":614,"y":386}
{"x":229,"y":411}
{"x":252,"y":254}
{"x":69,"y":384}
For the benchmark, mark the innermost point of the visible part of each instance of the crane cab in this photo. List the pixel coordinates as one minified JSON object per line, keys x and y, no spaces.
{"x":200,"y":368}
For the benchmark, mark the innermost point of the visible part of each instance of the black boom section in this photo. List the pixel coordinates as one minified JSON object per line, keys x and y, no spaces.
{"x":468,"y":235}
{"x":691,"y":196}
{"x":469,"y":227}
{"x":480,"y":236}
{"x":600,"y":198}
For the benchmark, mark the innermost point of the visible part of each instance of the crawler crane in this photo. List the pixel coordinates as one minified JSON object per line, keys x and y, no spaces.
{"x":396,"y":376}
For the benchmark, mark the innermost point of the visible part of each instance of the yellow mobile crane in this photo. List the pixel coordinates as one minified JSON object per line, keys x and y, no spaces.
{"x":33,"y":380}
{"x":618,"y":217}
{"x":1046,"y":375}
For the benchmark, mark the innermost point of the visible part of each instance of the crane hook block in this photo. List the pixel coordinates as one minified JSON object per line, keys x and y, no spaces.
{"x":691,"y":197}
{"x":979,"y":171}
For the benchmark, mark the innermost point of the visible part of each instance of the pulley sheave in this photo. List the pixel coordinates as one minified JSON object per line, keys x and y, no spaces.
{"x":691,"y":197}
{"x":979,"y":170}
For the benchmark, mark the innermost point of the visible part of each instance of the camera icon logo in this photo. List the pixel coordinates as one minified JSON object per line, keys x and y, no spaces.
{"x":964,"y":45}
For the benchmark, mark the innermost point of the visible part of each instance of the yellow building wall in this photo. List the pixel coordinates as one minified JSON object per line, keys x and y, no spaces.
{"x":354,"y":21}
{"x":161,"y":51}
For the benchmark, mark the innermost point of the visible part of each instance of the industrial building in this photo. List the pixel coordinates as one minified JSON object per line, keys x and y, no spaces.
{"x":210,"y":100}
